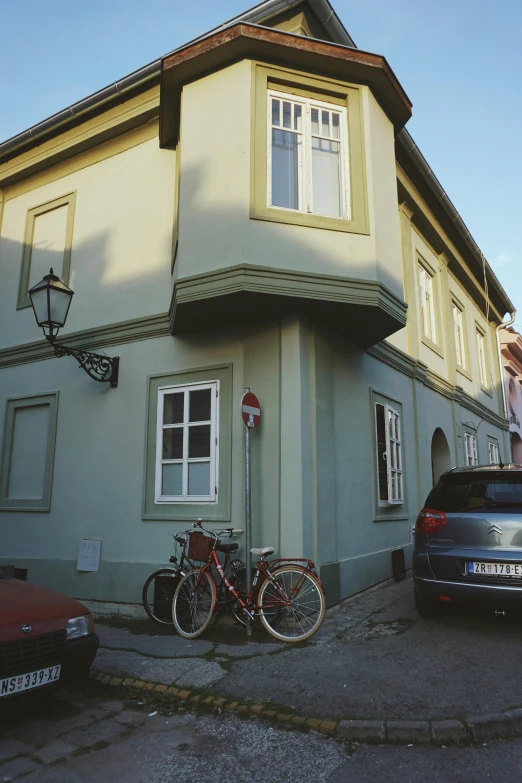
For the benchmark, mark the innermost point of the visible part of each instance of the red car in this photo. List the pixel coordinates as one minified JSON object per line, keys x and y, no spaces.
{"x":45,"y":638}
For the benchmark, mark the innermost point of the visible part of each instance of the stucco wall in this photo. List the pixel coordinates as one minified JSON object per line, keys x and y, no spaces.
{"x":121,"y":246}
{"x":215,"y":227}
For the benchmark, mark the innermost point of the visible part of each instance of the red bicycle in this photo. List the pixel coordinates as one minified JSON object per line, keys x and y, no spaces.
{"x":286,"y":594}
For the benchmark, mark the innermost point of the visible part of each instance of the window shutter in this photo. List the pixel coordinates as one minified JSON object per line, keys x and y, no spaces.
{"x":382,"y":470}
{"x":394,"y":455}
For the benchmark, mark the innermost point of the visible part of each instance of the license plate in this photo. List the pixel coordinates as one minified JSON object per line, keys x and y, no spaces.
{"x":24,"y":682}
{"x":495,"y":569}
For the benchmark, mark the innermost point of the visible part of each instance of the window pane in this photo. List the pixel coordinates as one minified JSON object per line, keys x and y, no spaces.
{"x":325,"y":115}
{"x":199,"y":478}
{"x":172,"y":479}
{"x":276,"y":119}
{"x":326,"y":177}
{"x":335,"y":126}
{"x":199,"y":441}
{"x":173,"y":443}
{"x":285,"y":191}
{"x":200,"y":402}
{"x":315,"y":121}
{"x":287,"y":114}
{"x":297,"y":117}
{"x":173,"y":408}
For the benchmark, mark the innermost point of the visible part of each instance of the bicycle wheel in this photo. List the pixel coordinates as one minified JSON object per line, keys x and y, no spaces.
{"x":194,"y":603}
{"x":304,"y":613}
{"x":158,"y":592}
{"x":238,"y":581}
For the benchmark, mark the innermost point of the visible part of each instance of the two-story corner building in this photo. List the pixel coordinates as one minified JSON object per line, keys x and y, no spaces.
{"x":248,"y":211}
{"x":511,"y":346}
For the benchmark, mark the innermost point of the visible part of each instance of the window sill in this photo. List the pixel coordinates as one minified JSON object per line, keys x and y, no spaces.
{"x":464,"y":372}
{"x":432,"y":346}
{"x":183,"y":516}
{"x":293,"y":217}
{"x":487,"y":390}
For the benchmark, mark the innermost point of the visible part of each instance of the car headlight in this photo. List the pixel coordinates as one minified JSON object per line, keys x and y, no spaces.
{"x":79,"y":626}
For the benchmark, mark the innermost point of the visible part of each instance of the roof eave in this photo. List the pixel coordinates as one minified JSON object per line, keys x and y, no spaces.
{"x":248,"y":41}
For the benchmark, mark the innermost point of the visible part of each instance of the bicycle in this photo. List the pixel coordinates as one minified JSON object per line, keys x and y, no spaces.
{"x":159,"y":588}
{"x":290,"y":597}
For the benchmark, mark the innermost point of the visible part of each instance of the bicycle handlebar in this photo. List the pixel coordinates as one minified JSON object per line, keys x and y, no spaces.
{"x":215,"y":533}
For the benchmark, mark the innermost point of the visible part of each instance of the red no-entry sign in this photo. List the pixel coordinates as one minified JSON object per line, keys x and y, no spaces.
{"x":250,"y":410}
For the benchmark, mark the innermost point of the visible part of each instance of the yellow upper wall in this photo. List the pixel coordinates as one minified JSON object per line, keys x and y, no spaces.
{"x":440,"y":354}
{"x":121,"y":241}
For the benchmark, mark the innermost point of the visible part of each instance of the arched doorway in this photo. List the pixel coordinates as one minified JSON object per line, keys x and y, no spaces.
{"x":516,"y":448}
{"x":440,"y":455}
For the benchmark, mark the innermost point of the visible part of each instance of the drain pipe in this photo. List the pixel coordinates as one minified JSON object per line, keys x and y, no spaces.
{"x":504,"y":325}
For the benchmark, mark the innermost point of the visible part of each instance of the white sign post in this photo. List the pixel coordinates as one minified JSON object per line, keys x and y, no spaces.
{"x":251,"y":415}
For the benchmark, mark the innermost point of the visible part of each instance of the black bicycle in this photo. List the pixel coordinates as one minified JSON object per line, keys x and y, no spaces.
{"x":158,"y":591}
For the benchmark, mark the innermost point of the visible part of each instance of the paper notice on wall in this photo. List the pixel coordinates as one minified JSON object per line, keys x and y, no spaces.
{"x":89,"y":552}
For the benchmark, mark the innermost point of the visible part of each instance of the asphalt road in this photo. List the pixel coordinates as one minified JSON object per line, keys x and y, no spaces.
{"x":86,"y":738}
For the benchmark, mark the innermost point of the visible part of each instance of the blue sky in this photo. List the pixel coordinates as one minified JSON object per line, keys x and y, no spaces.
{"x":460,"y":63}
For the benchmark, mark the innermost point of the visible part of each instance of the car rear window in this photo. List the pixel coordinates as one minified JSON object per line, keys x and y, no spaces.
{"x":477,"y":493}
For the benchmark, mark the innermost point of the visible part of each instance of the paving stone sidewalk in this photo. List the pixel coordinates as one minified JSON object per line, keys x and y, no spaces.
{"x":374,"y":667}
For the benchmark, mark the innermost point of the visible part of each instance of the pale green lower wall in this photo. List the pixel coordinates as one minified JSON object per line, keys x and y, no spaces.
{"x":115,"y":581}
{"x":313,"y":472}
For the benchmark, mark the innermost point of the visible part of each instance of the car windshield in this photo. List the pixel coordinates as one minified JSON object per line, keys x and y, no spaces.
{"x":473,"y":493}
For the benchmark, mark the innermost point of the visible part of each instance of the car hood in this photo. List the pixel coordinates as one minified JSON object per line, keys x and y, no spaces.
{"x":44,"y":610}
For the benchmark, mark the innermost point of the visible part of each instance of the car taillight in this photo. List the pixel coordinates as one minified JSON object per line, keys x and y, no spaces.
{"x":430,"y":521}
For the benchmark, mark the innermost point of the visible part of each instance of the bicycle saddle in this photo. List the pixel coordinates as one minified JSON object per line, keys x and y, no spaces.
{"x":227,"y":548}
{"x":265,"y":550}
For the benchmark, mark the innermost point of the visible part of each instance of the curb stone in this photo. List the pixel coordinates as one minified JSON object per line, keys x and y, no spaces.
{"x":414,"y":731}
{"x":477,"y":728}
{"x":448,"y":732}
{"x":497,"y":725}
{"x":362,"y":730}
{"x":516,"y":717}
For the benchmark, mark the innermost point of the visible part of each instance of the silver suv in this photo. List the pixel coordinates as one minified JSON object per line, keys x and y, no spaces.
{"x":468,"y":540}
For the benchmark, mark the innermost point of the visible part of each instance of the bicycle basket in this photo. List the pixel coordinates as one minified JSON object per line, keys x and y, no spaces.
{"x":200,"y":547}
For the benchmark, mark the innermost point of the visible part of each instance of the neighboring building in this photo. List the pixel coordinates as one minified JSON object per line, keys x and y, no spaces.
{"x":249,"y":211}
{"x":511,"y":346}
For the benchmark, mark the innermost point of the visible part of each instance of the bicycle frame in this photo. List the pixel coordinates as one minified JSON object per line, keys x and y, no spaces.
{"x":262,"y":567}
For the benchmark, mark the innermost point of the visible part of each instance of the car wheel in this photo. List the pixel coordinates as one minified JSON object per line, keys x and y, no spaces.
{"x":427,"y":607}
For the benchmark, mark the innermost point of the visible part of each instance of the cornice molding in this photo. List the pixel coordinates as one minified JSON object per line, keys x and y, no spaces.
{"x":417,"y":370}
{"x":285,"y":282}
{"x":131,"y":331}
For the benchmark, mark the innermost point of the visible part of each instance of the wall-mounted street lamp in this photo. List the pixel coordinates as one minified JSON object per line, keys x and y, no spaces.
{"x":51,"y":300}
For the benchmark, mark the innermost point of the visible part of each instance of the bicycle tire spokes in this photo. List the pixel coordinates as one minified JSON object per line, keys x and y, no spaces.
{"x":299,"y":613}
{"x":193,"y":604}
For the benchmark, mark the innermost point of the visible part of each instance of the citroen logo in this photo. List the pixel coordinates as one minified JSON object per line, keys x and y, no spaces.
{"x":27,"y":628}
{"x":494,"y":529}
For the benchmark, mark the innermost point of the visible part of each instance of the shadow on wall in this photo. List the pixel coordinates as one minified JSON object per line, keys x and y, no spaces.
{"x":105,"y":292}
{"x":226,"y":235}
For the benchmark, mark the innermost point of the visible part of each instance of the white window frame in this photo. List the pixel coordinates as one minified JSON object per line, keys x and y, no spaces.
{"x":458,"y":332}
{"x":427,"y":303}
{"x":163,"y":391}
{"x":470,"y":449}
{"x":493,"y":452}
{"x":392,"y":455}
{"x":304,"y":181}
{"x":481,"y":351}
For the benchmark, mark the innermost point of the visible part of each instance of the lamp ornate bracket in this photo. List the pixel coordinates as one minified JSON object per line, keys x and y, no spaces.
{"x":103,"y":369}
